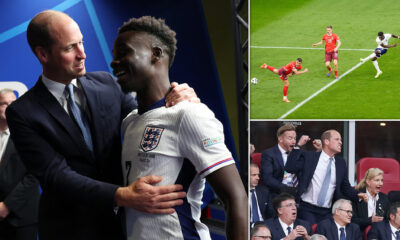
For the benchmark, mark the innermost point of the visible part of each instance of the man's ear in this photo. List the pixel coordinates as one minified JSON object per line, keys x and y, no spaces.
{"x":42,"y":54}
{"x":157,"y":54}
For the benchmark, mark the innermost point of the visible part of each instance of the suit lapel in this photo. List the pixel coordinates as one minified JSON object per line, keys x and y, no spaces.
{"x":348,"y":232}
{"x":334,"y":230}
{"x":388,"y":230}
{"x":6,"y":154}
{"x":279,"y":229}
{"x":279,"y":156}
{"x":53,"y":107}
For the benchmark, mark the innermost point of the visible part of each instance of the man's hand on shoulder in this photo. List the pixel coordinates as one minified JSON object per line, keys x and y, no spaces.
{"x":3,"y":210}
{"x":143,"y":196}
{"x":179,"y":93}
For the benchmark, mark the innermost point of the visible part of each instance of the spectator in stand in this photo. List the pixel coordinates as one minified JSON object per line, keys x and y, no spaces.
{"x":375,"y":210}
{"x":388,"y":229}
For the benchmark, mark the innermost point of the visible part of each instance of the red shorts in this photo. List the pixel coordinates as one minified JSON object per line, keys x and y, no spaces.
{"x":331,"y":55}
{"x":282,"y":73}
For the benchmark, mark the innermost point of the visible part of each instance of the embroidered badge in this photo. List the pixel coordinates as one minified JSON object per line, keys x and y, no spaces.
{"x":212,"y":141}
{"x":151,"y":138}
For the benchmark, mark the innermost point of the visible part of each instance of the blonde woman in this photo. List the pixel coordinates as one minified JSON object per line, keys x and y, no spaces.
{"x":364,"y":214}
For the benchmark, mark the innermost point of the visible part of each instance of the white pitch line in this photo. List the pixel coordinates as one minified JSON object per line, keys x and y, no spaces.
{"x":321,"y":90}
{"x":304,"y":48}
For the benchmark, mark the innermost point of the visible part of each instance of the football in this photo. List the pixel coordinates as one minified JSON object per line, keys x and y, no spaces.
{"x":254,"y":81}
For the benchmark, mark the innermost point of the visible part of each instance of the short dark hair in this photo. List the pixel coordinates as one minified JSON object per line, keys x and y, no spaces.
{"x":393,"y":208}
{"x":330,"y":26}
{"x":257,"y":226}
{"x":285,"y":128}
{"x":277,"y":201}
{"x":380,"y":34}
{"x":155,"y":27}
{"x":300,"y":60}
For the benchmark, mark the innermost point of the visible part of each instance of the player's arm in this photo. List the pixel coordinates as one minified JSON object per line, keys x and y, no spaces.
{"x":395,"y":36}
{"x":389,"y":46}
{"x":339,"y":43}
{"x":227,"y":184}
{"x":317,"y":44}
{"x":300,"y":72}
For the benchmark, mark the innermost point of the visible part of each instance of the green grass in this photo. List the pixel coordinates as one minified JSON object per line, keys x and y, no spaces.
{"x":358,"y":95}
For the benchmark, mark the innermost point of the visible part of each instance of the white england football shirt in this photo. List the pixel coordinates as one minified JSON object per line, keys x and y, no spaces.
{"x":385,"y":41}
{"x":183,"y":144}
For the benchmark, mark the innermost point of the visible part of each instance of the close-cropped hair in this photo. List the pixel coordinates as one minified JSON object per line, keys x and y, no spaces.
{"x":285,"y":128}
{"x":155,"y":27}
{"x":6,"y":90}
{"x":256,"y":227}
{"x":330,"y":26}
{"x":369,"y":175}
{"x":393,"y":208}
{"x":338,"y":204}
{"x":318,"y":237}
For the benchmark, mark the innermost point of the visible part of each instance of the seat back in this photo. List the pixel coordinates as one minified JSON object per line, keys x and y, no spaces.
{"x":389,"y":166}
{"x":256,"y":158}
{"x":366,"y":232}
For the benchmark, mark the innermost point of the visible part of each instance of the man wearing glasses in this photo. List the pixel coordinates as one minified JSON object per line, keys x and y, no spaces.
{"x":260,"y":231}
{"x":340,"y":227}
{"x":286,"y":225}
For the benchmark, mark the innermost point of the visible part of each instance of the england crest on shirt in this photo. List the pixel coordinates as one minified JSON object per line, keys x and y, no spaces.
{"x":151,"y":138}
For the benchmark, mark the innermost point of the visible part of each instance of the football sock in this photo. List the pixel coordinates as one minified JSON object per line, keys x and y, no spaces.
{"x":271,"y":68}
{"x":329,"y":68}
{"x":285,"y":89}
{"x":376,"y":65}
{"x":336,"y":74}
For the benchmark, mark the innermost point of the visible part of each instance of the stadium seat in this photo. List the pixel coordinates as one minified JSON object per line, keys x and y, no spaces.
{"x":313,"y":228}
{"x":366,"y":232}
{"x":389,"y":166}
{"x":256,"y":158}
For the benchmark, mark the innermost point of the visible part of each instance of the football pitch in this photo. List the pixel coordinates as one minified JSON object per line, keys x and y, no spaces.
{"x":282,"y":31}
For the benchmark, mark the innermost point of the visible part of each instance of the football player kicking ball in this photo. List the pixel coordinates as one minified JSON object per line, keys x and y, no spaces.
{"x":383,"y":44}
{"x":332,"y":44}
{"x":183,"y":144}
{"x":290,"y":69}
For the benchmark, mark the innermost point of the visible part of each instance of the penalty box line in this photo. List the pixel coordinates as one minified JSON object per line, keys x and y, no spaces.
{"x":321,"y":90}
{"x":305,"y":48}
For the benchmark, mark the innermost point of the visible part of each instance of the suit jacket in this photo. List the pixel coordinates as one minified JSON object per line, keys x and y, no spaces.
{"x":277,"y":231}
{"x":78,"y":185}
{"x":272,"y":169}
{"x":380,"y":230}
{"x":18,"y":190}
{"x":264,"y":202}
{"x":329,"y":229}
{"x":360,"y":210}
{"x":304,"y":164}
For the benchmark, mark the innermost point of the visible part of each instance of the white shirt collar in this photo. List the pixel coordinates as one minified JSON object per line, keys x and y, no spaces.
{"x":326,"y":156}
{"x":6,"y":132}
{"x":56,"y":88}
{"x":281,"y":149}
{"x":285,"y":226}
{"x":394,"y":230}
{"x":370,"y":196}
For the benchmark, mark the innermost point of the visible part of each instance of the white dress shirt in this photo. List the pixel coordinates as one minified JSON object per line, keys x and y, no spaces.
{"x":372,"y":203}
{"x":393,"y":230}
{"x":338,"y":229}
{"x":4,"y":136}
{"x":287,"y":177}
{"x":258,"y":207}
{"x":58,"y":91}
{"x":285,"y":226}
{"x":312,"y":193}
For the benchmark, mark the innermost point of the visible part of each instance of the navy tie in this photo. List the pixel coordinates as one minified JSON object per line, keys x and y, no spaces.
{"x":254,"y":207}
{"x":289,"y":229}
{"x":79,"y":116}
{"x":342,"y":235}
{"x":398,"y":235}
{"x":325,"y":184}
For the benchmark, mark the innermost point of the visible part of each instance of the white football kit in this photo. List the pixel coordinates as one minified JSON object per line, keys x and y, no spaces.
{"x":183,"y":144}
{"x":385,"y":41}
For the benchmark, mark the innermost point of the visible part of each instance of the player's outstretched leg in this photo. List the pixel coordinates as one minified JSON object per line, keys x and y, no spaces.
{"x":368,"y":58}
{"x":335,"y":63}
{"x":285,"y":90}
{"x":328,"y":66}
{"x":378,"y":70}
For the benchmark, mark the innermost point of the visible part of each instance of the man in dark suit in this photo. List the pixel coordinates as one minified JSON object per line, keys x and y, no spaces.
{"x":19,"y":191}
{"x":260,"y":198}
{"x":322,"y":178}
{"x":67,"y":131}
{"x":273,"y":161}
{"x":389,"y":229}
{"x":340,"y":227}
{"x":286,"y":225}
